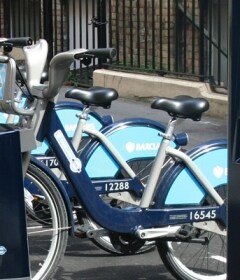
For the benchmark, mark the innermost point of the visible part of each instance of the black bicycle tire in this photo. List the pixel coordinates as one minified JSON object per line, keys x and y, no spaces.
{"x":47,"y":269}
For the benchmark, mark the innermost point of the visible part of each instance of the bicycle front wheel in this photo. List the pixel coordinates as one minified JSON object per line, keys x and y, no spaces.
{"x":47,"y":223}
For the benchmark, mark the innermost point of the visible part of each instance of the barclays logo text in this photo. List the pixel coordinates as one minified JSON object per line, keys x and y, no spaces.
{"x":139,"y":147}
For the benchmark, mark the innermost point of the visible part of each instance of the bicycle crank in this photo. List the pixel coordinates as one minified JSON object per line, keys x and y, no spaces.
{"x":83,"y":231}
{"x":127,"y":244}
{"x":154,"y":233}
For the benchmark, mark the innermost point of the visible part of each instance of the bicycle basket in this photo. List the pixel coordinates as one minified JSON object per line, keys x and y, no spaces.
{"x":7,"y":85}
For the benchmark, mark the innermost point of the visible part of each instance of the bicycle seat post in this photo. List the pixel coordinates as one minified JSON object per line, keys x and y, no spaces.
{"x":80,"y":125}
{"x":170,"y":128}
{"x":157,"y":165}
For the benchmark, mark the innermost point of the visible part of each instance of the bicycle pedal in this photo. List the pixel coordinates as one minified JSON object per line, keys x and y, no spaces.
{"x":93,"y":233}
{"x":81,"y":231}
{"x":186,"y":232}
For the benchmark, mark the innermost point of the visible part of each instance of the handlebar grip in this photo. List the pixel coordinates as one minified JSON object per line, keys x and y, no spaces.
{"x":99,"y":53}
{"x":18,"y":41}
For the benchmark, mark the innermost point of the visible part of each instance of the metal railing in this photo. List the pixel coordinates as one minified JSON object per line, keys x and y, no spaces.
{"x":181,"y":38}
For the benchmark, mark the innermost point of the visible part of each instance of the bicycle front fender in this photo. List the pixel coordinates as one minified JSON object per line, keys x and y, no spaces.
{"x":60,"y":187}
{"x":134,"y":139}
{"x":179,"y":186}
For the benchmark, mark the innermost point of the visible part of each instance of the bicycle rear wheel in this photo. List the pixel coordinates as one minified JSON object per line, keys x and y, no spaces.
{"x":47,"y":223}
{"x":192,"y":260}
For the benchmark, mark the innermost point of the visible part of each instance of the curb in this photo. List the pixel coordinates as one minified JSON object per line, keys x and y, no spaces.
{"x":148,"y":87}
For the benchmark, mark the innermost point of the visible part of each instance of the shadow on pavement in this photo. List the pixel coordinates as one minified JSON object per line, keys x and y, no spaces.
{"x":84,"y":261}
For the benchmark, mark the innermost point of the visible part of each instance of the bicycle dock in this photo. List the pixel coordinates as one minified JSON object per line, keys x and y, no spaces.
{"x":14,"y":262}
{"x":234,"y":148}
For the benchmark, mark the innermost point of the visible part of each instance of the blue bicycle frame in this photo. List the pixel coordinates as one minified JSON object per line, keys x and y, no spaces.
{"x":127,"y":220}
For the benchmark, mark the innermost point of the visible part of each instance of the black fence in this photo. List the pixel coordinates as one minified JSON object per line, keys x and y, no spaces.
{"x":181,"y":38}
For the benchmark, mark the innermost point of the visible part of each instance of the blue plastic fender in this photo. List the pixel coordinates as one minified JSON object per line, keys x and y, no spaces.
{"x":133,"y":138}
{"x":178,"y":185}
{"x":67,"y":113}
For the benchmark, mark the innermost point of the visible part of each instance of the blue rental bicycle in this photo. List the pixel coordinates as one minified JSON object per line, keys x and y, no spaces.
{"x":138,"y":137}
{"x":183,"y":209}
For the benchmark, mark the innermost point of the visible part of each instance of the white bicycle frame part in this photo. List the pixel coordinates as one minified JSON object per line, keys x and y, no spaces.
{"x":163,"y":151}
{"x":81,"y":127}
{"x":35,"y":58}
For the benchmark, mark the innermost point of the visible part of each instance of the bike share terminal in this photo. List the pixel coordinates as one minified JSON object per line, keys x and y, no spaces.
{"x":234,"y":143}
{"x":14,"y":142}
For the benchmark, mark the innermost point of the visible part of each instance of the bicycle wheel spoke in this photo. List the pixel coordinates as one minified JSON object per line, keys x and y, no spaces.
{"x":41,"y":229}
{"x":201,"y":257}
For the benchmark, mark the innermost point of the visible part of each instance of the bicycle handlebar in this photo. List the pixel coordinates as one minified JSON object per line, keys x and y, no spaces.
{"x":60,"y":65}
{"x":99,"y":53}
{"x":16,"y":42}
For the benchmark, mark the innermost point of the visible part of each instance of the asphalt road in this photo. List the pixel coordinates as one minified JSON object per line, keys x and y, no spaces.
{"x":83,"y":260}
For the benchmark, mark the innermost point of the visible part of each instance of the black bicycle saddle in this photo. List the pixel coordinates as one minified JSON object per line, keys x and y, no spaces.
{"x":94,"y":96}
{"x":182,"y":106}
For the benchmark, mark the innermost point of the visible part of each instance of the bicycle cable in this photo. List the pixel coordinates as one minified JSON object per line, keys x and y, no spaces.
{"x":27,"y":93}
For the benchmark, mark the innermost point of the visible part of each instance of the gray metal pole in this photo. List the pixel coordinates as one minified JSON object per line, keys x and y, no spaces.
{"x":102,"y":40}
{"x":48,"y":26}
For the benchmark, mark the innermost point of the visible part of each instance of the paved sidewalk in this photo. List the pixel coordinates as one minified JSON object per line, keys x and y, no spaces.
{"x":83,"y":260}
